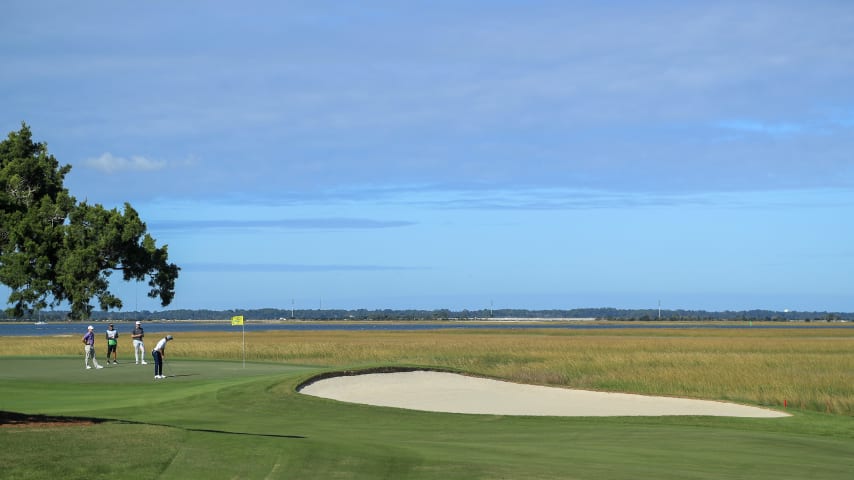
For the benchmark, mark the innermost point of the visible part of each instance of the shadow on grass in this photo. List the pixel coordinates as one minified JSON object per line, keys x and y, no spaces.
{"x":24,"y":420}
{"x":14,"y":419}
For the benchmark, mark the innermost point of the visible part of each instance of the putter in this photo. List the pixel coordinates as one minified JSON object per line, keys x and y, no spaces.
{"x":168,"y":367}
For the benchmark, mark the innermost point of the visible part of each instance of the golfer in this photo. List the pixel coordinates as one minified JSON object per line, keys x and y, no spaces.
{"x":159,"y":353}
{"x":89,"y":348}
{"x":138,"y":345}
{"x":112,"y":343}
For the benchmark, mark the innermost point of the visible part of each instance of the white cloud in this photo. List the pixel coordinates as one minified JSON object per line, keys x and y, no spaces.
{"x":110,"y":164}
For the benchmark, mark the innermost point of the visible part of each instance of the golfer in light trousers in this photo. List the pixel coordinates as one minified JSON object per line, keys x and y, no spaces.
{"x":89,"y":348}
{"x":138,"y":345}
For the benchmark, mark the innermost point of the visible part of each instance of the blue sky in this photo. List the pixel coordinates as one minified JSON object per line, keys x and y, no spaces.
{"x":458,"y":154}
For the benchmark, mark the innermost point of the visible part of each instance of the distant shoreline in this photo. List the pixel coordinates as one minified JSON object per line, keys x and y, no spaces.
{"x":418,"y":320}
{"x":446,"y":315}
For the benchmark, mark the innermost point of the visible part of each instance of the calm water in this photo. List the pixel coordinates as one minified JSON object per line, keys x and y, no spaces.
{"x":157,"y":328}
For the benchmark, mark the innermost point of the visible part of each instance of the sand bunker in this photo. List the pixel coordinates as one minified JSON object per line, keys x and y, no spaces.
{"x":454,"y":393}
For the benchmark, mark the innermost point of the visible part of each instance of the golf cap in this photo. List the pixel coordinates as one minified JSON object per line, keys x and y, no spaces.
{"x":91,"y":327}
{"x":111,"y":324}
{"x":138,"y":322}
{"x":168,"y":337}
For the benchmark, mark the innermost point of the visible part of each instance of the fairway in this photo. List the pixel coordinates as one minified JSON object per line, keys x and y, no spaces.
{"x":217,"y":419}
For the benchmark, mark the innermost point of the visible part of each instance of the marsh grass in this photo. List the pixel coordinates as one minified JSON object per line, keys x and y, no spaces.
{"x":810,"y":369}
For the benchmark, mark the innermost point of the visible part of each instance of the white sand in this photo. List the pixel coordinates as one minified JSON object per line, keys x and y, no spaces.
{"x":453,"y":393}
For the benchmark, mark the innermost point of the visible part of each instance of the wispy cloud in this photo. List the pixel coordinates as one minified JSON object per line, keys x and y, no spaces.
{"x":110,"y":163}
{"x":286,"y":224}
{"x":539,"y":199}
{"x":768,"y":128}
{"x":286,"y":267}
{"x":535,"y":199}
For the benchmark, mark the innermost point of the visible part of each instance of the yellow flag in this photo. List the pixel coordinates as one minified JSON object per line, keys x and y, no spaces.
{"x":237,"y":320}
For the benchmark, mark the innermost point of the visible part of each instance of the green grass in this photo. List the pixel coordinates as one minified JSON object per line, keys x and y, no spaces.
{"x":216,"y":419}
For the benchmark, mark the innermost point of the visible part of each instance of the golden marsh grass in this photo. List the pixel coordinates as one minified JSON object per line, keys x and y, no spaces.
{"x":811,"y":369}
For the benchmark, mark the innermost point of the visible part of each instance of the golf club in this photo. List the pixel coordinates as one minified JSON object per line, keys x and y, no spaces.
{"x":168,"y":367}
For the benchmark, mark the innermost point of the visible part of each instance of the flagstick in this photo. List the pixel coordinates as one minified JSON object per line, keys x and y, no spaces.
{"x":234,"y":321}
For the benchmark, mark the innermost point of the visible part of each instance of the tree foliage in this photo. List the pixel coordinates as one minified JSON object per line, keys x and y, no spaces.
{"x":54,"y":249}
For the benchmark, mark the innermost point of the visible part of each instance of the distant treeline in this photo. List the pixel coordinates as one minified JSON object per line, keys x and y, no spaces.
{"x":444,"y":314}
